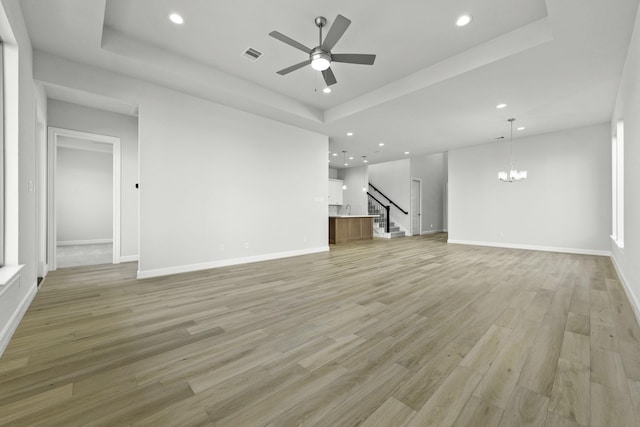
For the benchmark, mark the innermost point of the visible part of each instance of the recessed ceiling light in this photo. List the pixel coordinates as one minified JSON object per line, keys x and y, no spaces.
{"x":327,"y":90}
{"x":501,"y":106}
{"x":351,"y":158}
{"x":349,"y":133}
{"x":176,"y":19}
{"x":521,"y":128}
{"x":463,"y":20}
{"x":381,"y":144}
{"x":346,"y":164}
{"x":334,"y":154}
{"x":365,"y":161}
{"x":406,"y":152}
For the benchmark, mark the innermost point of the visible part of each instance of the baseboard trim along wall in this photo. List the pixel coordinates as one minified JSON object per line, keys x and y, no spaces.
{"x":635,"y":304}
{"x":432,"y":231}
{"x":128,"y":258}
{"x":7,"y":331}
{"x":84,"y":242}
{"x":533,"y":247}
{"x":227,"y":262}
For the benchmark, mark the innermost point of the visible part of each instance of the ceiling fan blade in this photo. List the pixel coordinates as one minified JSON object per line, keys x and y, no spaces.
{"x":289,"y":41}
{"x":336,"y":31}
{"x":353,"y":58}
{"x":294,"y":67}
{"x":329,"y":77}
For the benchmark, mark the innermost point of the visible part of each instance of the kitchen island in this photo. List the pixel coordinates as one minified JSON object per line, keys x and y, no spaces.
{"x":347,"y":228}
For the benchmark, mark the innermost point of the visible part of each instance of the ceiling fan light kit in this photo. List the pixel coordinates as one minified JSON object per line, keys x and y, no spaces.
{"x":320,"y":60}
{"x":320,"y":57}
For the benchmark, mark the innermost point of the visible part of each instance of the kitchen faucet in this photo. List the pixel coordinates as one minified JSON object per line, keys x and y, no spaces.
{"x":348,"y":209}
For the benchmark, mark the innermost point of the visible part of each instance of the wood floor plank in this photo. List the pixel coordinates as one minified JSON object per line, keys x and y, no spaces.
{"x":444,"y":407}
{"x":396,"y":332}
{"x":11,"y":412}
{"x":419,"y":388}
{"x":391,"y":412}
{"x":610,"y":407}
{"x":607,"y":369}
{"x":571,"y":391}
{"x":630,"y":354}
{"x":482,"y":354}
{"x":634,"y":392}
{"x":525,"y":408}
{"x":539,"y":370}
{"x":578,"y":323}
{"x":496,"y":387}
{"x":478,"y":413}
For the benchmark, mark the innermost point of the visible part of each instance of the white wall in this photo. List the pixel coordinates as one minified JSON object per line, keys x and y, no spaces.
{"x":432,"y":170}
{"x":222,"y":185}
{"x":21,"y":189}
{"x":213,"y":180}
{"x":355,"y":178}
{"x":394,"y":180}
{"x":565,"y":203}
{"x":84,"y":195}
{"x":627,"y":260}
{"x":77,"y":117}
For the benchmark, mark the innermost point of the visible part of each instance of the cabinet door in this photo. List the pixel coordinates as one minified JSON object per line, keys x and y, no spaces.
{"x":335,"y":192}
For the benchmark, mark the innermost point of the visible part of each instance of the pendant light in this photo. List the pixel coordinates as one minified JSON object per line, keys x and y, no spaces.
{"x":513,"y":175}
{"x":364,"y":178}
{"x":344,"y":158}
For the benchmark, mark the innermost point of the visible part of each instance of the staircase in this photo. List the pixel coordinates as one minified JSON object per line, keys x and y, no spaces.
{"x":394,"y":231}
{"x":380,"y":222}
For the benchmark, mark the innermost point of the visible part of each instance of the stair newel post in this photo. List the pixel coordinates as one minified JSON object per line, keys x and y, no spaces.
{"x":387,"y":208}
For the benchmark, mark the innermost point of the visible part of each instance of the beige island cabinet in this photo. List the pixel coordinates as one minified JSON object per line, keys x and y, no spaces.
{"x":347,"y":228}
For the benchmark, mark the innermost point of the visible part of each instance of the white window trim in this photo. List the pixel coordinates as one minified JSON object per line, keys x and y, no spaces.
{"x":617,"y":181}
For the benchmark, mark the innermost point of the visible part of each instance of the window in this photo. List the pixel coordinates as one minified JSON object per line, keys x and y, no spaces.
{"x":1,"y":158}
{"x":617,"y":181}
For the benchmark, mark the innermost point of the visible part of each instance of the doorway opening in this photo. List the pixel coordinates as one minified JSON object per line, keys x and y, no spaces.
{"x":84,"y":198}
{"x":416,"y":206}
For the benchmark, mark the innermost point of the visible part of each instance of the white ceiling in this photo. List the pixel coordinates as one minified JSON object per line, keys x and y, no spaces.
{"x":434,"y":86}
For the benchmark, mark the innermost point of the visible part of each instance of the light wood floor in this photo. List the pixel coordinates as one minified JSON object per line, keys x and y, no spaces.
{"x":403,"y":332}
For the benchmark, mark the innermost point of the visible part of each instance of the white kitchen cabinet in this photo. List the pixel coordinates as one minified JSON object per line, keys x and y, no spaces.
{"x":335,"y":191}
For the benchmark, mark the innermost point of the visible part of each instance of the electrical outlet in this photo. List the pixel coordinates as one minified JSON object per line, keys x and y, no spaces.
{"x":246,"y":245}
{"x":30,"y":186}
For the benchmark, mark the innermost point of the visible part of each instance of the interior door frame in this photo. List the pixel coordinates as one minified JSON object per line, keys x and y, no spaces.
{"x":53,"y":134}
{"x":41,"y":193}
{"x":419,"y":181}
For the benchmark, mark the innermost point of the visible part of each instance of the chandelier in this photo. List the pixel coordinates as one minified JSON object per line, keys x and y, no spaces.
{"x":513,"y":175}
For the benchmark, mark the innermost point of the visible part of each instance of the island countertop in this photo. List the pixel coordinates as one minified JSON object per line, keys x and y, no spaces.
{"x":353,"y":216}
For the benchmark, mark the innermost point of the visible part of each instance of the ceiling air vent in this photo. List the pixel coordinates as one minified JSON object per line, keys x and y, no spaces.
{"x":251,"y":54}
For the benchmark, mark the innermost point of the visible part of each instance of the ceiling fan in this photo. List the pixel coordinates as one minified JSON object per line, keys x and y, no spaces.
{"x":320,"y":57}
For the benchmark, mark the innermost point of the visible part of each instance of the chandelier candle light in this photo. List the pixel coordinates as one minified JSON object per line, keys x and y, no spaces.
{"x":513,"y":175}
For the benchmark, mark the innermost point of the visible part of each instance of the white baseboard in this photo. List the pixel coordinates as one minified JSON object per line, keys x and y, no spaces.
{"x":7,"y":331}
{"x":635,"y":304}
{"x":128,"y":258}
{"x":83,"y":242}
{"x":227,"y":262}
{"x":432,"y":231}
{"x":532,"y":247}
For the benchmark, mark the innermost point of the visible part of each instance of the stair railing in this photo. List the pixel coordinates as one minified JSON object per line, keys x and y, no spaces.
{"x":376,"y":207}
{"x":388,"y":199}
